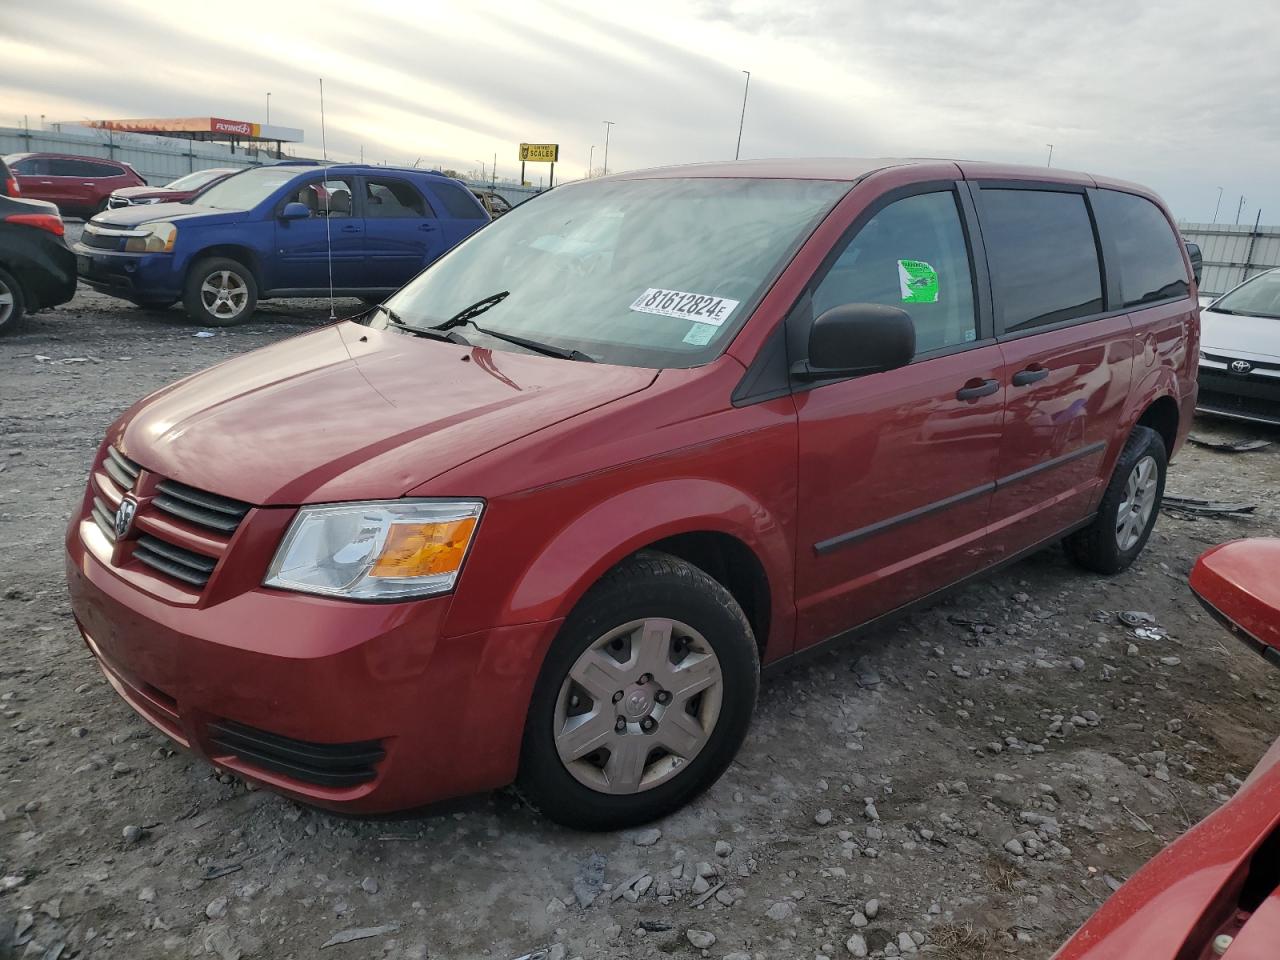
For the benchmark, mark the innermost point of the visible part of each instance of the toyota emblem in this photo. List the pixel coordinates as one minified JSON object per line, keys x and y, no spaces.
{"x":1241,"y":366}
{"x":124,"y":517}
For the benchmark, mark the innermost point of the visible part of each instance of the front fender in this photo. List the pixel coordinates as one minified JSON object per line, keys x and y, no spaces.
{"x":575,"y":538}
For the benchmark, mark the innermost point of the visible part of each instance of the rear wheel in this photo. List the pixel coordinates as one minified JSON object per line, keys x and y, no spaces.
{"x":12,"y":303}
{"x":1128,"y":509}
{"x":644,"y":697}
{"x":220,"y":292}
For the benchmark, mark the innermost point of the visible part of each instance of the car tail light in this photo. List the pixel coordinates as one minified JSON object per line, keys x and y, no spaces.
{"x":11,"y":185}
{"x":41,"y":221}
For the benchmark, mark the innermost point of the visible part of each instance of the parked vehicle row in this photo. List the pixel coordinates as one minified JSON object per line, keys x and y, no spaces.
{"x":78,"y":186}
{"x":574,"y":486}
{"x":176,"y":191}
{"x":1240,"y":355}
{"x":287,"y":230}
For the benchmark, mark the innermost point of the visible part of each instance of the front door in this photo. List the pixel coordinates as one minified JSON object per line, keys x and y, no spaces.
{"x":897,"y":469}
{"x":1067,"y":360}
{"x":333,"y":234}
{"x":402,"y":233}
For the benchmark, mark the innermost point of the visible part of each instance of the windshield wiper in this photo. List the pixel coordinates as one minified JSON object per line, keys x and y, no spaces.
{"x":537,"y":346}
{"x":477,"y":308}
{"x":431,"y":333}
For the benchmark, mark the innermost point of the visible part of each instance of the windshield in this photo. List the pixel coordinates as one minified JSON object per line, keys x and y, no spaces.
{"x":656,"y":273}
{"x":1259,"y":297}
{"x":246,"y":190}
{"x":193,"y":181}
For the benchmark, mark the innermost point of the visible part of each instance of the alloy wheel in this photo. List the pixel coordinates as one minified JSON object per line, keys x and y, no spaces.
{"x":637,"y":706}
{"x":224,"y":294}
{"x":1138,"y":503}
{"x":6,"y":303}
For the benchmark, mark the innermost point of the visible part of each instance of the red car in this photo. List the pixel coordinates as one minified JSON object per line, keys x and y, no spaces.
{"x":176,"y":191}
{"x":549,"y":509}
{"x":1215,"y":891}
{"x":78,"y":186}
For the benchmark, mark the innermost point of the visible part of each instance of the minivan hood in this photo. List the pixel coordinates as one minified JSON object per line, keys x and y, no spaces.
{"x":1237,"y":335}
{"x":150,"y":213}
{"x":351,"y":413}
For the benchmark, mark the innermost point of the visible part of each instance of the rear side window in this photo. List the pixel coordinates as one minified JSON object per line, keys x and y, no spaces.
{"x":390,"y":198}
{"x":912,"y":255}
{"x":458,"y":203}
{"x":1043,"y":257}
{"x":31,"y":167}
{"x":1151,"y":264}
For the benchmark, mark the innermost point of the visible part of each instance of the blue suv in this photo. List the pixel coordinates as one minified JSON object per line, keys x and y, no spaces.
{"x":286,"y":230}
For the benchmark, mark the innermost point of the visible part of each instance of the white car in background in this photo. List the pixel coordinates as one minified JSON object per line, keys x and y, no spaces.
{"x":1240,"y":352}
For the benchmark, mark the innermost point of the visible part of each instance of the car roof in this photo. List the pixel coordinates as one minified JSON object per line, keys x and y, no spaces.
{"x":856,"y":168}
{"x":374,"y":168}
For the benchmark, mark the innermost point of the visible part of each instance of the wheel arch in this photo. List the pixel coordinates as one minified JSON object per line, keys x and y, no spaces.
{"x":232,"y":251}
{"x":1162,"y":416}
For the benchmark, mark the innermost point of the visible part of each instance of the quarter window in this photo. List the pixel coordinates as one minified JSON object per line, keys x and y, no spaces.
{"x":912,"y":255}
{"x":1043,"y":257}
{"x":1151,"y":264}
{"x":458,"y":203}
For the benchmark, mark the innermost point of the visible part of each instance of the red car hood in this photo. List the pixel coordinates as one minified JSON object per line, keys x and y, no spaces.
{"x":350,"y":413}
{"x":1193,"y":889}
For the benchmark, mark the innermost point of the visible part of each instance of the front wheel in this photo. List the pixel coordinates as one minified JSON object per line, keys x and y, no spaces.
{"x":643,"y":700}
{"x":1128,"y":509}
{"x":220,"y":292}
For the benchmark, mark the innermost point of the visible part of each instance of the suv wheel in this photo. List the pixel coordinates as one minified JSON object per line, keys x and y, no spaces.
{"x":643,"y":700}
{"x":12,"y":303}
{"x":220,"y":292}
{"x":1128,"y":509}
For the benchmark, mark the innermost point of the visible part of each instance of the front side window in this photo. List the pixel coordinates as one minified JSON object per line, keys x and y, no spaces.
{"x":1258,"y":297}
{"x":647,"y":272}
{"x":326,"y":198}
{"x":912,"y":255}
{"x":1151,"y":264}
{"x":1043,"y":257}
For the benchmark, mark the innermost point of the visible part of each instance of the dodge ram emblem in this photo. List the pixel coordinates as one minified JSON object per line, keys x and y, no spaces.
{"x":124,"y":517}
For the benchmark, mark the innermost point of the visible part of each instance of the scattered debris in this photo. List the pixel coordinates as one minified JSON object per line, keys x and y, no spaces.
{"x":1230,"y":446}
{"x":1135,"y":618}
{"x":359,"y":933}
{"x":1195,"y":505}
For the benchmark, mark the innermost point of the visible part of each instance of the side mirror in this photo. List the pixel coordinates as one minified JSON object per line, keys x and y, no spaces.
{"x":295,"y":211}
{"x":855,"y":339}
{"x":1197,"y":260}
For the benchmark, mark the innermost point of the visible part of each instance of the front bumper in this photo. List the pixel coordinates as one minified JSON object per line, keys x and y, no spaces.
{"x":364,"y":708}
{"x":1253,"y":397}
{"x":131,"y":275}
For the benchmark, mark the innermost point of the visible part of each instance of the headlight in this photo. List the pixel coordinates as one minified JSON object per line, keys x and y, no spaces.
{"x":384,"y":550}
{"x":159,"y":239}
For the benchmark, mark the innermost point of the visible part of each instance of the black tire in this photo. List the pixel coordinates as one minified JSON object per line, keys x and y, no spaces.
{"x":13,"y":303}
{"x":1098,"y":546}
{"x":646,"y":585}
{"x":212,"y":268}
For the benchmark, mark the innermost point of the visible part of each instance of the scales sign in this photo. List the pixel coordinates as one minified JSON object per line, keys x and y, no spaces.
{"x":539,"y":152}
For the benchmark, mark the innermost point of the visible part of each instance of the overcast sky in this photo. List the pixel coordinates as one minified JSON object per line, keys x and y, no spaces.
{"x":1178,"y":95}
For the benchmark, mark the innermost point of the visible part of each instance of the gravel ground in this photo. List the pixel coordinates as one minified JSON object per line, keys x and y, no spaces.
{"x":971,"y":782}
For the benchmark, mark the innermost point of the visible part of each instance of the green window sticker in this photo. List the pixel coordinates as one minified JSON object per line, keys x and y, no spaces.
{"x":918,"y":281}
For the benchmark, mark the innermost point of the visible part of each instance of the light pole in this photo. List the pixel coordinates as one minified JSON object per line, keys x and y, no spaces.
{"x":1050,"y":161}
{"x":591,"y":161}
{"x":1240,"y":208}
{"x":1217,"y":205}
{"x":607,"y":125}
{"x":268,"y":106}
{"x":743,"y":118}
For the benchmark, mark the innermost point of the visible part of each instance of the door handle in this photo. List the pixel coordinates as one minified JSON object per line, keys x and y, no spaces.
{"x":1028,"y":376}
{"x":426,"y":227}
{"x":977,"y":388}
{"x":350,"y":228}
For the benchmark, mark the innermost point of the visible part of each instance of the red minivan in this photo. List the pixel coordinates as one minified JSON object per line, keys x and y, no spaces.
{"x":79,"y":186}
{"x":544,"y":514}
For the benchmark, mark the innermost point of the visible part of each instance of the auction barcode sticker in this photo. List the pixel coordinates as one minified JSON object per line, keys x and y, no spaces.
{"x":685,"y":306}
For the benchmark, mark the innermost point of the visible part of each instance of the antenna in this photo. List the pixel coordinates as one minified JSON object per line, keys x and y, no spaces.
{"x":328,"y":232}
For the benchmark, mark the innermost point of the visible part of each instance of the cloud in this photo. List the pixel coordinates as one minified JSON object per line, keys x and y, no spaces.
{"x":1173,"y":94}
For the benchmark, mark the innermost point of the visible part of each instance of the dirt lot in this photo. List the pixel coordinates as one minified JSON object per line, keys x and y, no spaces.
{"x":901,"y":770}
